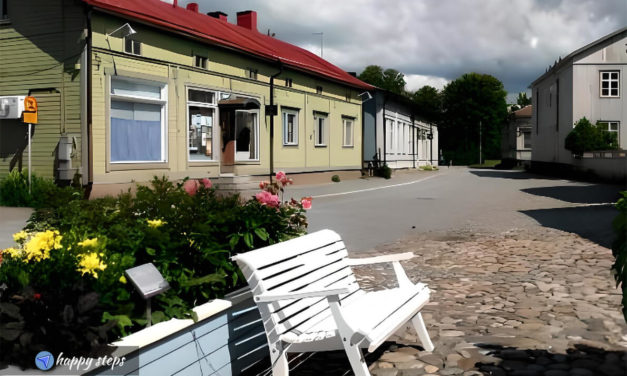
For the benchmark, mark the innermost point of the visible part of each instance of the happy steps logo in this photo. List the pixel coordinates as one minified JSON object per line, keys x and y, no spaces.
{"x":44,"y":360}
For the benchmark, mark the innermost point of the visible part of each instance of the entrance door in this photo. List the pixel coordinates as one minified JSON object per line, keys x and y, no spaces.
{"x":227,"y":136}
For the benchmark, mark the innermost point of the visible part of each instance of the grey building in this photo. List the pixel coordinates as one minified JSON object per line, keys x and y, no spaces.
{"x":588,"y":82}
{"x":516,"y":138}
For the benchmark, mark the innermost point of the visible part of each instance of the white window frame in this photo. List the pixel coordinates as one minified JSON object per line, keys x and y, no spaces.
{"x":609,"y":124}
{"x":163,"y":101}
{"x":345,"y":121}
{"x":609,"y":81}
{"x":214,"y":106}
{"x":285,"y":112}
{"x":256,"y":130}
{"x":317,"y":129}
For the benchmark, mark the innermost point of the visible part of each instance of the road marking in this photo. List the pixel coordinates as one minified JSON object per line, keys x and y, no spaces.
{"x":594,"y":204}
{"x":376,"y":188}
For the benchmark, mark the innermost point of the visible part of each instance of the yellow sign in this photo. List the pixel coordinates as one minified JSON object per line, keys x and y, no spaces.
{"x":30,"y":110}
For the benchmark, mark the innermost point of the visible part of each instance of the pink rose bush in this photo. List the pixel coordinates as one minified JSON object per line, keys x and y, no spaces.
{"x":267,"y":198}
{"x":271,"y":195}
{"x":191,"y":186}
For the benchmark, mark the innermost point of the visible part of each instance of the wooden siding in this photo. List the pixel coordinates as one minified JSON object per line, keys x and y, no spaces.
{"x":223,"y":345}
{"x":39,"y":53}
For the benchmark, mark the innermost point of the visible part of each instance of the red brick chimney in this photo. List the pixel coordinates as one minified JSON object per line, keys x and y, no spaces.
{"x":219,"y":15}
{"x":247,"y":19}
{"x":193,"y":7}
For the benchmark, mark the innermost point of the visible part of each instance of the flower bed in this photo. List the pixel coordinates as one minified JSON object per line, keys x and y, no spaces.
{"x":62,"y":287}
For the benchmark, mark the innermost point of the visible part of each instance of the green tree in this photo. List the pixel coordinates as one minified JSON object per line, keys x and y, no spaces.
{"x":471,"y":104}
{"x":587,"y":137}
{"x":522,"y":100}
{"x":429,"y":103}
{"x":389,"y":79}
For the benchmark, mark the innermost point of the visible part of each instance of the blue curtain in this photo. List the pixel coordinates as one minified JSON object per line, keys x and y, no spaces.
{"x":135,"y":140}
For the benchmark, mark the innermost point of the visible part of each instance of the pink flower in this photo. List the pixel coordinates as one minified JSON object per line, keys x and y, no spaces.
{"x":280,"y":176}
{"x":306,"y":202}
{"x":206,"y":182}
{"x":191,"y":187}
{"x":267,"y":198}
{"x":36,"y":296}
{"x":263,"y":184}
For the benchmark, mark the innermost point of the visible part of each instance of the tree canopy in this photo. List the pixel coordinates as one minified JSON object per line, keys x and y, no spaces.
{"x":522,"y":100}
{"x":389,"y":79}
{"x":429,"y":102}
{"x":471,"y":102}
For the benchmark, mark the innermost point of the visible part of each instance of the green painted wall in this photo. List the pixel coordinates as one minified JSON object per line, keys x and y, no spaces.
{"x":40,"y":47}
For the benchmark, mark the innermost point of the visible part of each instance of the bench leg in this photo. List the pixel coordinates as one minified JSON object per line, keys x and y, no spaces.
{"x":421,"y":330}
{"x":356,"y":359}
{"x":279,"y":365}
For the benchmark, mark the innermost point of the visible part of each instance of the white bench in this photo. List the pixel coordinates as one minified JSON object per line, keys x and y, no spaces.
{"x":309,"y":300}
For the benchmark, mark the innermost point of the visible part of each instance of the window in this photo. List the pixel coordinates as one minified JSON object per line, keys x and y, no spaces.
{"x":4,"y":12}
{"x":348,"y":131}
{"x":609,"y":84}
{"x":526,"y":139}
{"x":612,"y":127}
{"x":247,"y":135}
{"x":318,"y":89}
{"x":390,"y":134}
{"x":288,"y":82}
{"x":137,"y":132}
{"x":200,"y":62}
{"x":201,"y":110}
{"x":132,"y":46}
{"x":290,"y":127}
{"x":320,"y":128}
{"x":251,"y":73}
{"x":348,"y":95}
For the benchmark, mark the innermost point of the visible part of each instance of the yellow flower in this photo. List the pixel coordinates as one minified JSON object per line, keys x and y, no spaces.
{"x":123,"y":279}
{"x":155,"y":223}
{"x":39,"y":246}
{"x":91,"y":263}
{"x":89,"y":243}
{"x":13,"y":252}
{"x":20,"y":236}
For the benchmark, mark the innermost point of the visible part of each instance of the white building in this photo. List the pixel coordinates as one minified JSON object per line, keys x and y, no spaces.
{"x":589,"y":82}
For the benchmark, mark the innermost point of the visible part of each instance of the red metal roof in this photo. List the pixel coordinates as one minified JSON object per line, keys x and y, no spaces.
{"x":212,"y":30}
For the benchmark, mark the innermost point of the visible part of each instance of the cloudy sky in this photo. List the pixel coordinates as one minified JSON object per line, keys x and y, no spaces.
{"x":435,"y":41}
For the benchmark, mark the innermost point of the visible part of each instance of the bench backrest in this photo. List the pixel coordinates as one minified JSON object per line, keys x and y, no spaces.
{"x":314,"y":262}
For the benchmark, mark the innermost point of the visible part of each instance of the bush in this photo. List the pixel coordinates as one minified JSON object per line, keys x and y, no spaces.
{"x":619,"y":248}
{"x":44,"y":193}
{"x":426,"y":168}
{"x":335,"y":178}
{"x":384,"y":171}
{"x":587,"y":137}
{"x":64,"y":284}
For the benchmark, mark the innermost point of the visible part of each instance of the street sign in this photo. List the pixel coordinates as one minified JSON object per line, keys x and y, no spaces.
{"x":30,"y":110}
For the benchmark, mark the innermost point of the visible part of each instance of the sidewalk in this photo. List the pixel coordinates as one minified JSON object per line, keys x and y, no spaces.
{"x":12,"y":220}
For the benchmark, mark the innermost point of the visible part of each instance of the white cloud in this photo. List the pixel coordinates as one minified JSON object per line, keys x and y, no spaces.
{"x":416,"y":81}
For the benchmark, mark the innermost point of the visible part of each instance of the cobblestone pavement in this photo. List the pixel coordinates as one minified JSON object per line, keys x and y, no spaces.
{"x":525,"y":302}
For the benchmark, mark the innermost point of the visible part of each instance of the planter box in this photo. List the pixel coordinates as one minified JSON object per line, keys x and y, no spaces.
{"x":228,"y":339}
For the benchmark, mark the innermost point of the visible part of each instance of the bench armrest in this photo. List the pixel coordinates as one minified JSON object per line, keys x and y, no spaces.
{"x":270,"y":297}
{"x":380,"y":259}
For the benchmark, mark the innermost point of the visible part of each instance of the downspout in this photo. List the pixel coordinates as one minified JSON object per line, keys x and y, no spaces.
{"x":90,"y":144}
{"x":431,"y":142}
{"x":272,"y":119}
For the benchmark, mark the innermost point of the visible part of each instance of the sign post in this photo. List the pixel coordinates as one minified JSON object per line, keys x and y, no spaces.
{"x":30,"y":116}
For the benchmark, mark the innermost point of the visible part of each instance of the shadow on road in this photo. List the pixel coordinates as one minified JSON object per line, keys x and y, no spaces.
{"x":593,"y":223}
{"x":582,"y":360}
{"x":519,"y":175}
{"x":588,"y":194}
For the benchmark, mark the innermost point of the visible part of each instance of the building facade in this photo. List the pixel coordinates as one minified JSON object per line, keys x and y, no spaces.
{"x":589,"y":82}
{"x":516,"y":139}
{"x":395,"y":135}
{"x":139,"y":88}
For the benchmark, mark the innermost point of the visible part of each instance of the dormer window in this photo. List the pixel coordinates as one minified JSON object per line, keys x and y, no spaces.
{"x":251,"y":73}
{"x":132,"y":46}
{"x":288,"y":82}
{"x":318,"y":89}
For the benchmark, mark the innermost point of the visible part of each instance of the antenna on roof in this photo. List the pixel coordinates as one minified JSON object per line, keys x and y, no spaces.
{"x":271,"y":35}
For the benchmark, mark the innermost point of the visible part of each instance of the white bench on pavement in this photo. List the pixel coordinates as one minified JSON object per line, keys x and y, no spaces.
{"x":310,"y":301}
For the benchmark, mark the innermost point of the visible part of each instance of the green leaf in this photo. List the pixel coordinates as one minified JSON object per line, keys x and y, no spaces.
{"x":157,"y":317}
{"x":11,"y":310}
{"x":209,"y":278}
{"x":11,"y":330}
{"x":248,"y":239}
{"x":262,"y":233}
{"x":150,"y":251}
{"x":234,"y":240}
{"x":122,"y":321}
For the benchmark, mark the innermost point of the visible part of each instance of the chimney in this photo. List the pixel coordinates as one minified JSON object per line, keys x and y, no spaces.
{"x":247,"y":19}
{"x":193,"y":7}
{"x":219,"y":15}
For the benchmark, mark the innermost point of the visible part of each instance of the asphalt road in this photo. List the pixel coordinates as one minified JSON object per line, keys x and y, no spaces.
{"x":368,"y":214}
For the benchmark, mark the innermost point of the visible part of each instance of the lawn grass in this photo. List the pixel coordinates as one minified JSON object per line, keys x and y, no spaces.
{"x":488,"y":163}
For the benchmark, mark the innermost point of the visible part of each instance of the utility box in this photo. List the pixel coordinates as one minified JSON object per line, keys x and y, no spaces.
{"x":64,"y":151}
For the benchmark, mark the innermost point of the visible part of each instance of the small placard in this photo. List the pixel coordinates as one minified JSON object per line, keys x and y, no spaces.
{"x":272,"y":110}
{"x":147,"y":280}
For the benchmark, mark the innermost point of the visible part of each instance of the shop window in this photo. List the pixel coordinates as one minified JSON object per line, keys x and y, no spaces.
{"x":290,"y":127}
{"x":201,"y":109}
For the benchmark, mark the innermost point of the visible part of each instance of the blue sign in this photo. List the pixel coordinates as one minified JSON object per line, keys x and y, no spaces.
{"x":44,"y":360}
